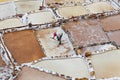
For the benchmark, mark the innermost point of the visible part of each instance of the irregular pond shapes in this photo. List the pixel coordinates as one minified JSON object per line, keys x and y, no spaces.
{"x":68,"y":12}
{"x":111,"y":23}
{"x":85,"y":32}
{"x":74,"y":67}
{"x":23,"y":45}
{"x":99,"y":7}
{"x":7,"y":10}
{"x":106,"y":65}
{"x":9,"y":23}
{"x":23,"y":7}
{"x":28,"y":73}
{"x":51,"y":46}
{"x":41,"y":17}
{"x":114,"y":36}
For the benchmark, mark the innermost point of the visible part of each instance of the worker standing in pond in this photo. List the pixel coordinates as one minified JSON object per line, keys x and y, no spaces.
{"x":54,"y":35}
{"x":59,"y":37}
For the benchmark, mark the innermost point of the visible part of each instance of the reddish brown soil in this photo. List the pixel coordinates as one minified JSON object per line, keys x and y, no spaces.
{"x":24,"y":46}
{"x":115,"y":36}
{"x":85,"y":32}
{"x":32,"y":74}
{"x":2,"y":63}
{"x":111,"y":23}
